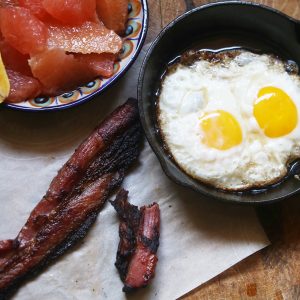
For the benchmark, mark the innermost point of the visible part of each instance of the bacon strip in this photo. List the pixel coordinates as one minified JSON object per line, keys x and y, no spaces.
{"x":74,"y":198}
{"x":139,"y":241}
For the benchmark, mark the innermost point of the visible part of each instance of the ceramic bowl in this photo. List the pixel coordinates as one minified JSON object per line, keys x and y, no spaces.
{"x":133,"y":41}
{"x":214,"y":26}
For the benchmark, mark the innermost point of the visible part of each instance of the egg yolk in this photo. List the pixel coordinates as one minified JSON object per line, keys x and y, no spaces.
{"x":275,"y":112}
{"x":220,"y":130}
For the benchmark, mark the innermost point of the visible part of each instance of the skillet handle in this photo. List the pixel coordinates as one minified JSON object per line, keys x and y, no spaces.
{"x":189,"y":5}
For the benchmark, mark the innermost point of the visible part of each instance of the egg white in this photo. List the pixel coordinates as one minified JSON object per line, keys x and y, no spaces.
{"x":188,"y":92}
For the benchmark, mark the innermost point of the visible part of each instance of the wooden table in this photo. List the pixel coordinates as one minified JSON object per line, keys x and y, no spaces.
{"x":273,"y":273}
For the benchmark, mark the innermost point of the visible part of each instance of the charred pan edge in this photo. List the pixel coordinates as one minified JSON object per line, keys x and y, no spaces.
{"x":122,"y":134}
{"x":139,"y":240}
{"x":189,"y":57}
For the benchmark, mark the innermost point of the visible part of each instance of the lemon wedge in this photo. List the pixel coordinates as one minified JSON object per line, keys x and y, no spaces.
{"x":4,"y":82}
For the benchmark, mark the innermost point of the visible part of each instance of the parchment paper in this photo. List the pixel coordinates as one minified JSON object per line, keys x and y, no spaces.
{"x":200,"y":238}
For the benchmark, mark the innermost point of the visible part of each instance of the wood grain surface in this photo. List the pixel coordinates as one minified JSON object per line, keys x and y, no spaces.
{"x":273,"y":273}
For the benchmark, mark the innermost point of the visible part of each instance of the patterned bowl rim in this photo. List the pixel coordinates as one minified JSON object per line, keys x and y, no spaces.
{"x":114,"y":79}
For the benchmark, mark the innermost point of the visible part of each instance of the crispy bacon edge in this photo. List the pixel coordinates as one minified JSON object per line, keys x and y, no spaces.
{"x":74,"y":198}
{"x":139,"y":240}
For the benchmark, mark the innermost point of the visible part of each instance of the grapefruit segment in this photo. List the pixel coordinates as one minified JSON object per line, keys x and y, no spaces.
{"x":99,"y":64}
{"x":14,"y":60}
{"x":59,"y":72}
{"x":53,"y":46}
{"x":71,"y":12}
{"x":114,"y":14}
{"x":5,"y":3}
{"x":88,"y":38}
{"x":22,"y":30}
{"x":36,"y":8}
{"x":22,"y":87}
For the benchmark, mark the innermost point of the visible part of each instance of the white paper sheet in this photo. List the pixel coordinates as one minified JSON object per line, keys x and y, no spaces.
{"x":200,"y":238}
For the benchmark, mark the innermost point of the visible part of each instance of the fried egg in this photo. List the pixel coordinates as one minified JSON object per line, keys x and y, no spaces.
{"x":231,"y":119}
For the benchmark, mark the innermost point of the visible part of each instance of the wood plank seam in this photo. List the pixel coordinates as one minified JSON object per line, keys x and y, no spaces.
{"x":189,"y":4}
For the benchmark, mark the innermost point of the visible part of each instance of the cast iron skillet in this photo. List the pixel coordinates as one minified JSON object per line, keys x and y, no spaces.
{"x":215,"y":26}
